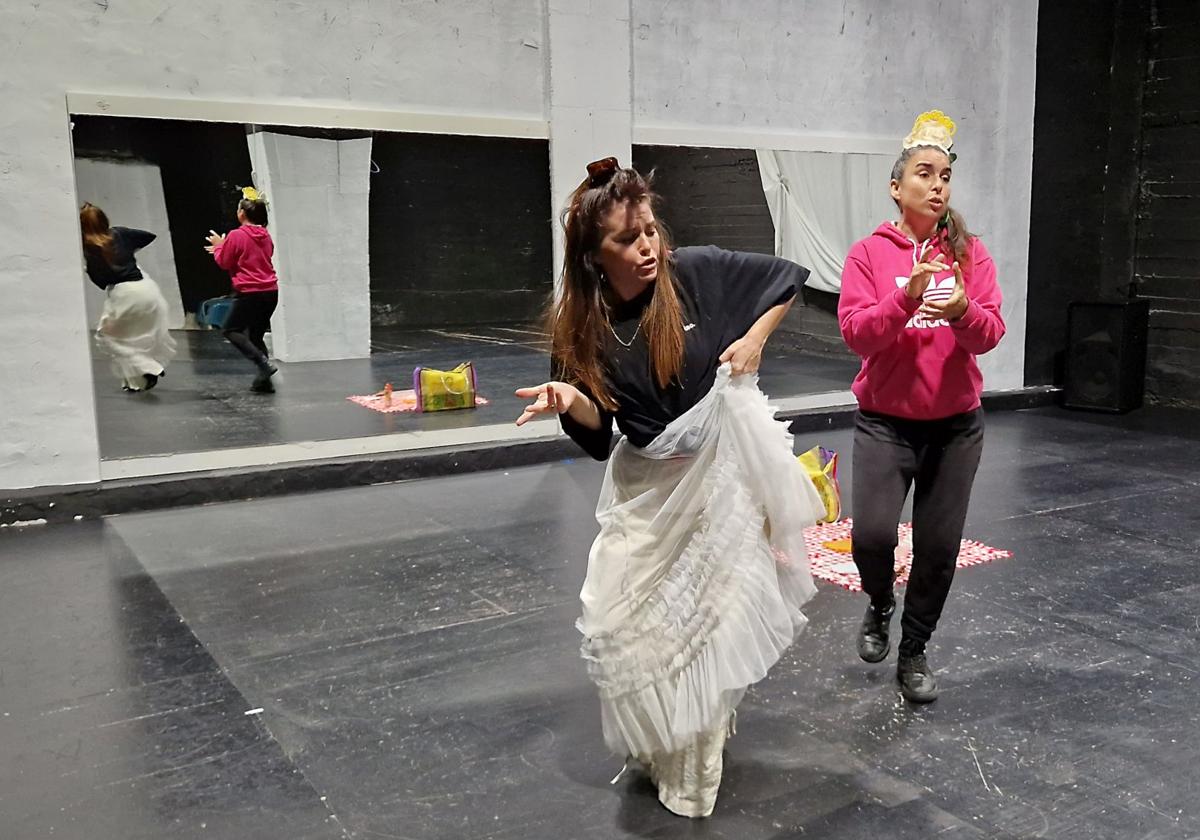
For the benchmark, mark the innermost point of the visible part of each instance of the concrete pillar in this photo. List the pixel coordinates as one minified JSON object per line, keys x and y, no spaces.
{"x":318,"y":193}
{"x":590,"y":91}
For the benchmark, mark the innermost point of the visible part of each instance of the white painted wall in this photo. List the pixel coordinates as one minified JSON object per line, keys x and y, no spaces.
{"x":704,"y":72}
{"x":453,"y":56}
{"x":861,"y":67}
{"x":131,"y":194}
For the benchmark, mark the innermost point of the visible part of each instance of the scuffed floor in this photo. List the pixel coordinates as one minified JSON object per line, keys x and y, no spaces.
{"x":412,"y":652}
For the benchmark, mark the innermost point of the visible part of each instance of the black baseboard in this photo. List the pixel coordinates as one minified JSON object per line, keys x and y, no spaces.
{"x":818,"y":419}
{"x":1038,"y":396}
{"x":64,"y":504}
{"x":842,"y":417}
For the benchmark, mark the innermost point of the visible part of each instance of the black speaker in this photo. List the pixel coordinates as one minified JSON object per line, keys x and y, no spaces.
{"x":1106,"y":355}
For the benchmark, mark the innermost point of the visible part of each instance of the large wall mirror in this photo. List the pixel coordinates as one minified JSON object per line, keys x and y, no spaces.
{"x":395,"y":250}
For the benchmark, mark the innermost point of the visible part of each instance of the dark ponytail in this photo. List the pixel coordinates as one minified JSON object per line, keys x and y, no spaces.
{"x":952,"y":231}
{"x":255,"y":210}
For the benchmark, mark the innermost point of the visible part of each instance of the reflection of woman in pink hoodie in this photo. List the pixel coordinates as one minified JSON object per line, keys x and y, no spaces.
{"x":246,"y":253}
{"x":919,"y":302}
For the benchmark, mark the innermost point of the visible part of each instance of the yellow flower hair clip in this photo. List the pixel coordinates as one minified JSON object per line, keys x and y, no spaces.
{"x":932,"y":128}
{"x":251,"y":194}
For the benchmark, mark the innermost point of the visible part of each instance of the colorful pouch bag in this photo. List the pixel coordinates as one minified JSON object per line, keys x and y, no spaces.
{"x":445,"y":390}
{"x":821,"y":465}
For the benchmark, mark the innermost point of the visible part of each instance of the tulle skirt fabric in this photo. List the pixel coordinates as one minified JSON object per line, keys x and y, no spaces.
{"x":696,"y":581}
{"x":134,"y":331}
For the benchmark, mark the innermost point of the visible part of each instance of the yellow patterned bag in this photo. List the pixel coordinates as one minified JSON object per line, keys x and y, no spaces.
{"x":444,"y":390}
{"x":821,"y":465}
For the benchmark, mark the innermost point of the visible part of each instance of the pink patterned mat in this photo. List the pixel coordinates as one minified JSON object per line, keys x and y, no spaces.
{"x":838,"y":567}
{"x":401,"y":401}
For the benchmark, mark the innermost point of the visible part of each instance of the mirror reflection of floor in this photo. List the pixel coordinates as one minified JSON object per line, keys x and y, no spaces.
{"x":204,"y":403}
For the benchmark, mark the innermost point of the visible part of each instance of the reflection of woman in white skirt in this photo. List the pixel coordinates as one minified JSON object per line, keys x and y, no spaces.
{"x":696,"y":580}
{"x":133,"y":326}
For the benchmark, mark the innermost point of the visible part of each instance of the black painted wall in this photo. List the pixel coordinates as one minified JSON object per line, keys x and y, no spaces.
{"x":715,"y":197}
{"x":710,"y":196}
{"x":202,"y":165}
{"x":460,"y":230}
{"x":1072,"y":114}
{"x":1167,"y":254}
{"x":1116,"y":181}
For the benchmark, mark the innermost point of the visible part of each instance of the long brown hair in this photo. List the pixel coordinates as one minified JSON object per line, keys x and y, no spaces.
{"x":97,"y":233}
{"x":578,"y":317}
{"x":951,"y":227}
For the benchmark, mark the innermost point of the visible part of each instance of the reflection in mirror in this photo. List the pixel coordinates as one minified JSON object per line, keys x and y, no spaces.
{"x":392,"y":251}
{"x":738,"y":199}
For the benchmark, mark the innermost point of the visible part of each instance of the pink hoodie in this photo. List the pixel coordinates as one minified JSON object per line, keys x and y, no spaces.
{"x":246,"y":254}
{"x":912,"y":367}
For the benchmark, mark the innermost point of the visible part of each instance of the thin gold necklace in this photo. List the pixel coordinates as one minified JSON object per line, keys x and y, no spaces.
{"x":632,"y":339}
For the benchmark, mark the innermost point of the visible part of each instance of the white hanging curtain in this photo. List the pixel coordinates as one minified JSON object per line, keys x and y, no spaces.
{"x":821,"y":204}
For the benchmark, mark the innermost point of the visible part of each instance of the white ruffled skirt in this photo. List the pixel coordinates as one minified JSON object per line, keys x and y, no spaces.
{"x":695,"y":583}
{"x":134,"y":331}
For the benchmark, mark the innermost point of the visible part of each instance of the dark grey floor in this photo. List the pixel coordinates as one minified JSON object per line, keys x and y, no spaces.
{"x":204,"y":402}
{"x":412,"y":649}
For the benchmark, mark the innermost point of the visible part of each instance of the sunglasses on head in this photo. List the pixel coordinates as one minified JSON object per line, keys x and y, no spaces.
{"x":600,"y":172}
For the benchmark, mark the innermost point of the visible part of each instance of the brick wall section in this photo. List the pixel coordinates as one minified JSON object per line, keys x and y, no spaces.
{"x":710,"y":196}
{"x":1167,"y":257}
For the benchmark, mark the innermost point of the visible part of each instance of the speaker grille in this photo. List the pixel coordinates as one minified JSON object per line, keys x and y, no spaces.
{"x":1106,"y":355}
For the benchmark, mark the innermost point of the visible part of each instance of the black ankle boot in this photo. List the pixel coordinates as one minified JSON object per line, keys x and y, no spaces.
{"x":873,"y":643}
{"x":262,"y":382}
{"x":916,"y":679}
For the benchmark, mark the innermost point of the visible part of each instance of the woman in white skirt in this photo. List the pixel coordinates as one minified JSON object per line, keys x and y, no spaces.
{"x":697,"y":577}
{"x":133,"y":325}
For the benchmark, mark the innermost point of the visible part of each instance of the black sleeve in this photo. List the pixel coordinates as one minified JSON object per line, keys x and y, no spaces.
{"x":595,"y":442}
{"x":746,"y":285}
{"x":97,"y":269}
{"x":136,"y":239}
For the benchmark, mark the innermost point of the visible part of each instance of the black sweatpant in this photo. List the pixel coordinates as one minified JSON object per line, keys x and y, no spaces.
{"x":249,"y":320}
{"x":940,"y":458}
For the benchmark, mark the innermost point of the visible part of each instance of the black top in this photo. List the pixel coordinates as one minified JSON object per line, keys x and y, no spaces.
{"x":124,"y":267}
{"x":722,"y":294}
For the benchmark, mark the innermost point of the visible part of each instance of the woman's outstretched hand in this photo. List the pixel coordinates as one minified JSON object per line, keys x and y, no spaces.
{"x":214,"y":239}
{"x":556,"y":397}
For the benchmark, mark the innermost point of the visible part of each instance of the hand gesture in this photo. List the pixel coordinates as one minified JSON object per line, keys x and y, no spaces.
{"x":744,"y":355}
{"x":953,"y":307}
{"x":922,"y":273}
{"x":214,"y":239}
{"x":549,"y":396}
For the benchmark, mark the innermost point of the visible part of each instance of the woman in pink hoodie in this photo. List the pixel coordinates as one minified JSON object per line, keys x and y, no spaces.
{"x":919,"y":302}
{"x":246,"y":254}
